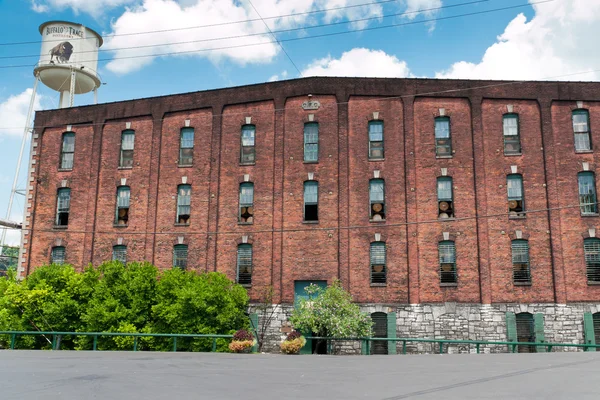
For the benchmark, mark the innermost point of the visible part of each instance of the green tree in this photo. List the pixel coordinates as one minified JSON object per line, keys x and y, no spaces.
{"x":330,"y":312}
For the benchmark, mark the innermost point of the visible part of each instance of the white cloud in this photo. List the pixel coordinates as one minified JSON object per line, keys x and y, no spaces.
{"x":359,"y":62}
{"x":425,"y":7}
{"x":92,"y":7}
{"x":13,"y":112}
{"x":557,"y":41}
{"x":277,"y":77}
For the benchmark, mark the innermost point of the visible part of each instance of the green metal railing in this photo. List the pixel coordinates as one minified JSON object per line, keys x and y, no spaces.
{"x":56,"y":336}
{"x":512,"y":346}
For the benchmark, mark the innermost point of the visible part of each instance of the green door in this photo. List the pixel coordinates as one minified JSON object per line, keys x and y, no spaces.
{"x":300,"y":293}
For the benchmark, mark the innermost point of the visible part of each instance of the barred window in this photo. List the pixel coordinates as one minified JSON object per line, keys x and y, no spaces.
{"x":186,"y":147}
{"x":516,"y":201}
{"x":378,"y":262}
{"x":122,"y":209}
{"x":447,"y":256}
{"x":591,"y":247}
{"x":57,"y":255}
{"x":587,"y":193}
{"x":63,"y":206}
{"x":376,"y":149}
{"x":512,"y":139}
{"x":581,"y":130}
{"x":248,"y":152}
{"x":184,"y":198}
{"x":443,"y":138}
{"x":127,"y":146}
{"x":377,"y":199}
{"x":246,"y":214}
{"x":180,"y":256}
{"x":311,"y":142}
{"x":445,"y":199}
{"x":67,"y":150}
{"x":311,"y":201}
{"x":520,"y":260}
{"x":244,"y":264}
{"x":120,"y":253}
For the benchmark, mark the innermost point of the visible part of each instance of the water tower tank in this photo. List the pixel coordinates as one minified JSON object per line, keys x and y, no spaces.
{"x":69,"y":59}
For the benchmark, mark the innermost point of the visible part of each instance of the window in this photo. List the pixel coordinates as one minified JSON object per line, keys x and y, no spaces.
{"x":377,"y":199}
{"x":184,"y":197}
{"x":591,"y":248}
{"x":122,"y":210}
{"x":127,"y":145}
{"x":244,"y":264}
{"x":311,"y":142}
{"x":186,"y":147}
{"x":445,"y":199}
{"x":587,"y":193}
{"x":516,"y":202}
{"x":525,"y":332}
{"x":180,"y":255}
{"x":512,"y":139}
{"x":376,"y":140}
{"x":58,"y":255}
{"x":63,"y":206}
{"x":311,"y":201}
{"x":248,"y":154}
{"x":443,"y":140}
{"x":378,"y":262}
{"x":520,"y":261}
{"x":581,"y":129}
{"x":120,"y":253}
{"x":67,"y":150}
{"x":447,"y":254}
{"x":247,"y":203}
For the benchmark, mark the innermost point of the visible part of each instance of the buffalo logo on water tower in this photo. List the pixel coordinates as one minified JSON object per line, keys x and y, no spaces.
{"x":62,"y":52}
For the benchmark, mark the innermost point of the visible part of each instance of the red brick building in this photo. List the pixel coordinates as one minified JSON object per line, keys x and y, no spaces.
{"x":410,"y":191}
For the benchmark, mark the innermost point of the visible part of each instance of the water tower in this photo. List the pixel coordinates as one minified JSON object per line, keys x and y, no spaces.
{"x":68,"y":63}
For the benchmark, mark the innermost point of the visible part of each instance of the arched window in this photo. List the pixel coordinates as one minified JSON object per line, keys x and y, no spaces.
{"x":58,"y":255}
{"x":587,"y":193}
{"x":246,"y":214}
{"x":512,"y":137}
{"x":377,"y":199}
{"x":581,"y":130}
{"x":520,"y":260}
{"x":380,"y":330}
{"x":378,"y":262}
{"x":184,"y":200}
{"x":63,"y":206}
{"x":376,"y":148}
{"x":248,"y":152}
{"x":120,"y":253}
{"x":311,"y":142}
{"x":180,"y":256}
{"x":67,"y":150}
{"x":127,"y":146}
{"x":516,"y":198}
{"x":186,"y":147}
{"x":311,"y":201}
{"x":447,"y":256}
{"x":122,"y":207}
{"x":591,"y":248}
{"x":244,"y":264}
{"x":443,"y":138}
{"x":445,"y":197}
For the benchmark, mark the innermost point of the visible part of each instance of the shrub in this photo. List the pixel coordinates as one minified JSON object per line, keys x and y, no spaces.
{"x":242,"y":335}
{"x":293,"y":335}
{"x":239,"y":346}
{"x":292,"y":346}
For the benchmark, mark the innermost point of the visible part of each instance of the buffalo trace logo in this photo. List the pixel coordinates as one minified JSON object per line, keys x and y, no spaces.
{"x":63,"y":30}
{"x":62,"y":52}
{"x":311,"y":105}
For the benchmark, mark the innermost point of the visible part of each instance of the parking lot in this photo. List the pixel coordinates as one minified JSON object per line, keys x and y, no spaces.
{"x":128,"y":375}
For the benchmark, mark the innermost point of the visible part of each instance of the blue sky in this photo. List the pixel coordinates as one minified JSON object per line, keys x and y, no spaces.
{"x":537,"y":41}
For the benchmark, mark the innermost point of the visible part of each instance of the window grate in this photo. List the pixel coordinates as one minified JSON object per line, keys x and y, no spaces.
{"x":311,"y":142}
{"x":520,"y":260}
{"x":58,"y":255}
{"x":180,"y":256}
{"x":120,"y":254}
{"x":378,"y":262}
{"x":447,"y":258}
{"x":244,"y":264}
{"x":591,"y":247}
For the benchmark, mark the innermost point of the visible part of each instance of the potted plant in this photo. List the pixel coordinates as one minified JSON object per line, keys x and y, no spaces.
{"x":293,"y":343}
{"x":242,"y":342}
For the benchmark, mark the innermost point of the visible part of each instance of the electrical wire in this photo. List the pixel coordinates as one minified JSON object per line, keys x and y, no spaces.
{"x":300,"y":38}
{"x":324,"y":107}
{"x":251,"y":34}
{"x":322,"y":10}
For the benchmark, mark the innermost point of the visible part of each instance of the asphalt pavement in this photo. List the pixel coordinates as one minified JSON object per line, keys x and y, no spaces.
{"x":64,"y":375}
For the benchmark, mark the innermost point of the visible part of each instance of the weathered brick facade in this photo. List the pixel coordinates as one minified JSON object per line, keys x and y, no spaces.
{"x":286,"y":248}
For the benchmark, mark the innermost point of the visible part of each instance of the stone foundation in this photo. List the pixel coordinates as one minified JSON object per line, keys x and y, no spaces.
{"x":563,"y":323}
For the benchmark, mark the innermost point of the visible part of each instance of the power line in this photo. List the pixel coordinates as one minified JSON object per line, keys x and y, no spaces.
{"x":275,"y":37}
{"x":258,"y":33}
{"x":314,"y":229}
{"x":499,"y":84}
{"x":302,"y":38}
{"x":322,"y":10}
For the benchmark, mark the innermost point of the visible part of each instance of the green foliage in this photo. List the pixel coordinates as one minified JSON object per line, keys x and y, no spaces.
{"x":121,"y":298}
{"x":330,"y":312}
{"x":8,"y":259}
